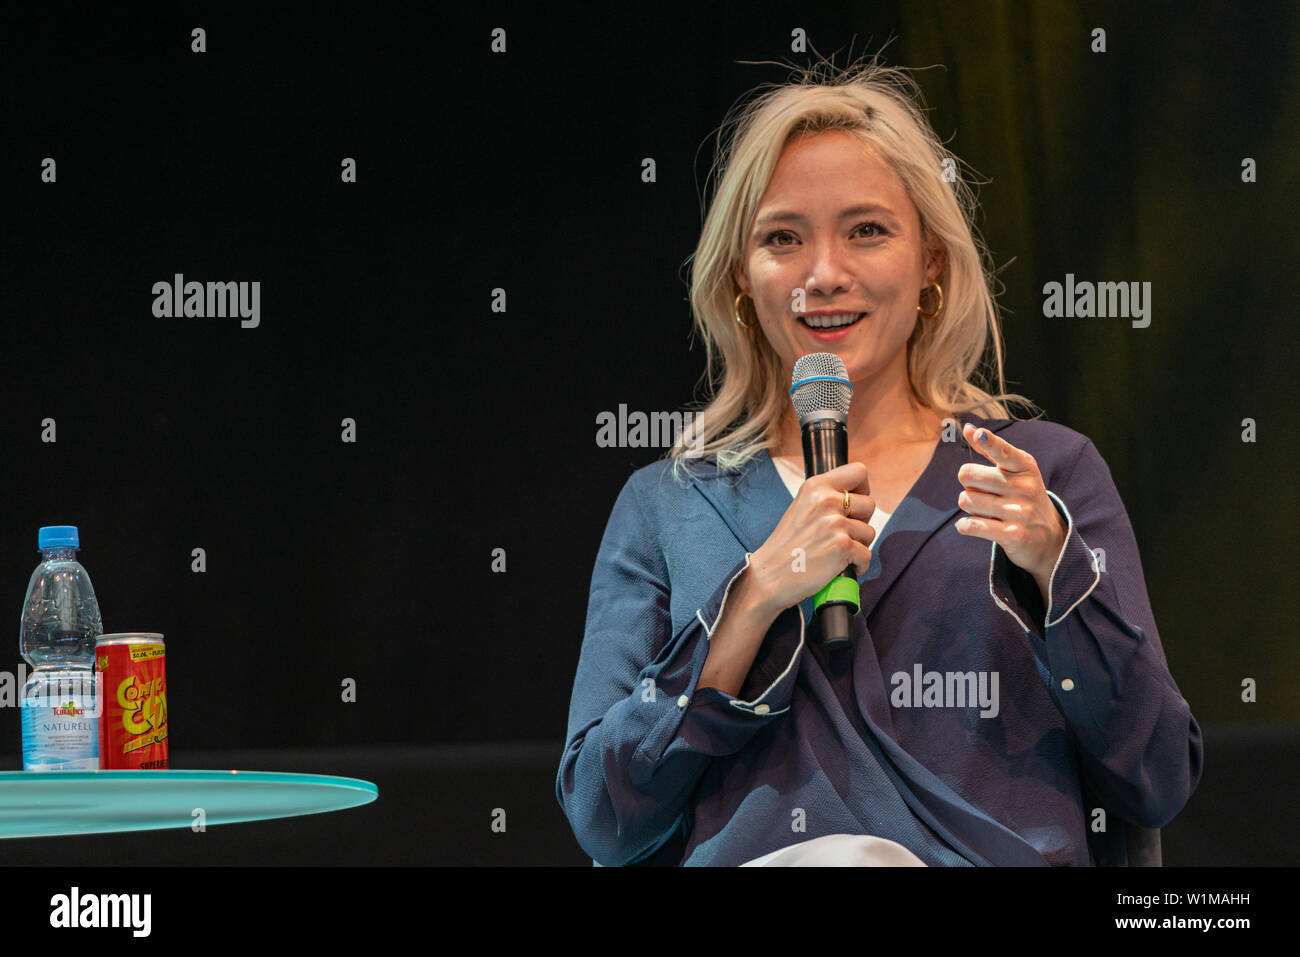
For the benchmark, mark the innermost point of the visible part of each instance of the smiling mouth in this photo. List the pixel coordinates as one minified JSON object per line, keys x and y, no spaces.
{"x":829,"y":323}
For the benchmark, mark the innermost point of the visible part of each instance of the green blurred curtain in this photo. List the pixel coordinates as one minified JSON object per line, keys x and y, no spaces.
{"x":1127,"y":166}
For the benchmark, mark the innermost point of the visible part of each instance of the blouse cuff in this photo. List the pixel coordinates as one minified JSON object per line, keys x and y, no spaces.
{"x":767,"y":688}
{"x":1074,"y":576}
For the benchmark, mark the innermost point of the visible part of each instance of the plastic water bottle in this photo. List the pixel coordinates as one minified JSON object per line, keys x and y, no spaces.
{"x":60,"y":706}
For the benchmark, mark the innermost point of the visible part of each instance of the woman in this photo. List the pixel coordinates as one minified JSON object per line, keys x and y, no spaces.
{"x":1006,"y":698}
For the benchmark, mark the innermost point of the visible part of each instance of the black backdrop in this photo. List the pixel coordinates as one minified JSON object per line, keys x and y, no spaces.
{"x":475,"y":429}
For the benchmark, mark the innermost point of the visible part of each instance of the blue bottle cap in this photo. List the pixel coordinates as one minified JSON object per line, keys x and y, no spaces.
{"x":57,"y":536}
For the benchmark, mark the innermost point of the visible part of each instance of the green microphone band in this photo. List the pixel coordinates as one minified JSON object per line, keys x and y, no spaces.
{"x":841,"y":591}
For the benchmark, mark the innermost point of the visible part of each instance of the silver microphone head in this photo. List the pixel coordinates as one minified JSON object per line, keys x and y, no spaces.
{"x":820,"y":387}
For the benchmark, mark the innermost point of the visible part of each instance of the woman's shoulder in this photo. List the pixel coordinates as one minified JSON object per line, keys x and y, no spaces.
{"x":665,"y":485}
{"x":663,"y":500}
{"x":1055,"y":434}
{"x":676,"y":475}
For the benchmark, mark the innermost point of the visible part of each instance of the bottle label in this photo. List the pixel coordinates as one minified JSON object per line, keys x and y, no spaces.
{"x":60,"y":722}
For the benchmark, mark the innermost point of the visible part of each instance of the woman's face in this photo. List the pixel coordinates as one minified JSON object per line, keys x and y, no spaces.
{"x":837,"y":224}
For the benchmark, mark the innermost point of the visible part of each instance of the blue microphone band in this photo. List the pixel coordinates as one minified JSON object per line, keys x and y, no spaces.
{"x":821,"y":378}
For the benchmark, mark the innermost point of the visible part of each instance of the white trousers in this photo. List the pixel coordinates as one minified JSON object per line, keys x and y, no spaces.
{"x":840,"y":850}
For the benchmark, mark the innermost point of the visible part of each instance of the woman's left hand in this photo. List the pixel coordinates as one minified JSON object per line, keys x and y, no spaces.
{"x":1007,"y":503}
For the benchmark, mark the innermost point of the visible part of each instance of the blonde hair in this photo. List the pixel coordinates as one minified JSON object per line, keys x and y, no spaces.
{"x":747,"y":386}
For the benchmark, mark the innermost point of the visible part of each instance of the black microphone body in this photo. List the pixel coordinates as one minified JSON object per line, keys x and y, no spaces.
{"x":826,"y":447}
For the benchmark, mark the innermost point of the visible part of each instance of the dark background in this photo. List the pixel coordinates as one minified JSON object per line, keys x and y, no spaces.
{"x":476,"y":430}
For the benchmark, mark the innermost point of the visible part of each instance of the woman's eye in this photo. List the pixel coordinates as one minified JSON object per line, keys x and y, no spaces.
{"x":878,"y":230}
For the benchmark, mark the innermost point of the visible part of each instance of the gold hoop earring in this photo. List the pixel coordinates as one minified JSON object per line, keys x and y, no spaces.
{"x":735,"y":311}
{"x":938,"y":309}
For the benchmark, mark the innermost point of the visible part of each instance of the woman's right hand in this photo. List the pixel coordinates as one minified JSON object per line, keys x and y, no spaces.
{"x":830,"y":541}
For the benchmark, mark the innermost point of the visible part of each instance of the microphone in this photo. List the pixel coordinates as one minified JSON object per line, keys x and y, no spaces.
{"x":820,"y":389}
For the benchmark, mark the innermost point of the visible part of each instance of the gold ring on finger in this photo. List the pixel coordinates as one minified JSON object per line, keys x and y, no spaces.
{"x":847,"y":510}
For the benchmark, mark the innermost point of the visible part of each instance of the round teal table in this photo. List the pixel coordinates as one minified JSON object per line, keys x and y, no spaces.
{"x":53,"y":803}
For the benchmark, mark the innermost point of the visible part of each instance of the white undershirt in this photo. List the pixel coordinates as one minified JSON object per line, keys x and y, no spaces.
{"x":793,"y":477}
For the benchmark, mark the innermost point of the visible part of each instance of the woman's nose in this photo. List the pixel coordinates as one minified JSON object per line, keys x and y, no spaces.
{"x":829,"y":271}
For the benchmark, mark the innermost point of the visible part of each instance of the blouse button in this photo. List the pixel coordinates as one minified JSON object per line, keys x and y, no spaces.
{"x":762,"y":709}
{"x":681,"y":702}
{"x":1067,"y":685}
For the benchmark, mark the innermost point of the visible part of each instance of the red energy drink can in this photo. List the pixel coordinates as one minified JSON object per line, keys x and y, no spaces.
{"x":133,"y":702}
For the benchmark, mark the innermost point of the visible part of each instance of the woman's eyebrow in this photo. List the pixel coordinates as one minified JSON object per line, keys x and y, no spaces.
{"x":788,"y":216}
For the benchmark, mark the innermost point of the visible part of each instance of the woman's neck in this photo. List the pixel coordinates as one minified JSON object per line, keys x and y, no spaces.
{"x":876,"y":424}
